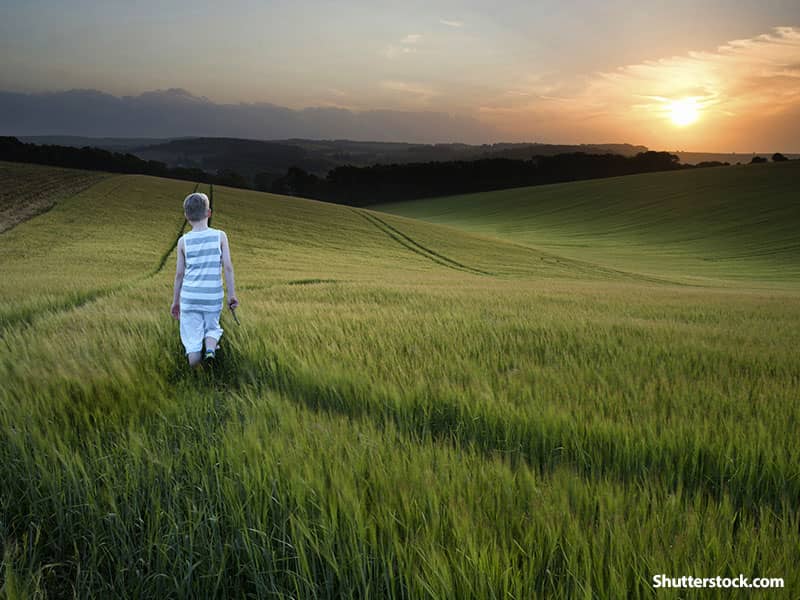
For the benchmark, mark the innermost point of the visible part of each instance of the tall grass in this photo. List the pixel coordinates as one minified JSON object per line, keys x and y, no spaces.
{"x":29,"y":190}
{"x":706,"y":225}
{"x":382,"y":425}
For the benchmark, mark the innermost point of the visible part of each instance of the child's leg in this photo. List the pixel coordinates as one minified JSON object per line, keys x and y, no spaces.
{"x":213,"y":332}
{"x":191,"y":326}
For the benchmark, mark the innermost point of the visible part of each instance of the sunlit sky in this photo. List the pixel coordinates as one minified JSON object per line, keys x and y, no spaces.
{"x":708,"y":76}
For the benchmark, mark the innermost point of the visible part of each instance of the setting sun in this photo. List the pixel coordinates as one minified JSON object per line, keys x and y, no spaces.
{"x":684,"y":112}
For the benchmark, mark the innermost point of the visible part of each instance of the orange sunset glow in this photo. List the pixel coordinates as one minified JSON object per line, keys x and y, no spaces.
{"x":744,"y":89}
{"x":717,"y":78}
{"x":684,"y":112}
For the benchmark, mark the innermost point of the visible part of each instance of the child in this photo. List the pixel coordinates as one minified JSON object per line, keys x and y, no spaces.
{"x":198,"y":295}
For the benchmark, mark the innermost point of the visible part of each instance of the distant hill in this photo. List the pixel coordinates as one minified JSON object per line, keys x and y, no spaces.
{"x":693,"y":158}
{"x":97,"y":159}
{"x":363,"y":186}
{"x":250,"y":158}
{"x":258,"y":165}
{"x":270,"y":159}
{"x":105,"y":143}
{"x":319,"y":156}
{"x":28,"y":190}
{"x":262,"y":162}
{"x":726,"y":222}
{"x":369,"y":153}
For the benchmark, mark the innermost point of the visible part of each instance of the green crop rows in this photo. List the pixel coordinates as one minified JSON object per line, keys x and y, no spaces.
{"x":408,"y":410}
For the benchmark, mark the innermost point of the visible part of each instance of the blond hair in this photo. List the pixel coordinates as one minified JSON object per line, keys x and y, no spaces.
{"x":195,"y":206}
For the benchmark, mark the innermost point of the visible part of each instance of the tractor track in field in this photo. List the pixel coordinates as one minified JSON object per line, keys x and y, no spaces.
{"x":169,"y":251}
{"x":594,"y":268}
{"x":436,"y":257}
{"x":590,"y":268}
{"x":27,"y":316}
{"x":414,"y":246}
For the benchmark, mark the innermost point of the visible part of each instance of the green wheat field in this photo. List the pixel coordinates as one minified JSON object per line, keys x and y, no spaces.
{"x":552,"y":392}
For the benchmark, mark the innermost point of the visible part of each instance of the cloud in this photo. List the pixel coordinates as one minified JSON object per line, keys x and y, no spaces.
{"x":737,"y":86}
{"x":451,"y":23}
{"x":391,"y":51}
{"x":178,"y":113}
{"x":407,"y":46}
{"x":741,"y":79}
{"x":420,"y":91}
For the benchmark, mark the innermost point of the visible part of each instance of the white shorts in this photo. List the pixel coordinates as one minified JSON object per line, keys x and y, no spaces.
{"x":196,"y":326}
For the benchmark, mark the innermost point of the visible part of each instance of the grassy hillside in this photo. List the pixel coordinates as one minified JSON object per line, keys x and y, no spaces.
{"x":406,"y":411}
{"x":736,"y":223}
{"x":26,"y":191}
{"x":120,"y":230}
{"x":90,"y":243}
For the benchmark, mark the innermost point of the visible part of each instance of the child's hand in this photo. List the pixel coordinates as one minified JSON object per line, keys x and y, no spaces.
{"x":176,"y":311}
{"x":233,"y":302}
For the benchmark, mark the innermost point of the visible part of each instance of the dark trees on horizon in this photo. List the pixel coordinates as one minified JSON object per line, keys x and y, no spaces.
{"x":362,"y":186}
{"x":379,"y":183}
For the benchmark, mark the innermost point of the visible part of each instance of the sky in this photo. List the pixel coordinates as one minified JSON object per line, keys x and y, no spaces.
{"x":715,"y":76}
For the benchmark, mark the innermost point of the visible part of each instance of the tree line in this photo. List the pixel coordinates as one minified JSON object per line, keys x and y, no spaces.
{"x":777,"y":157}
{"x":96,"y":159}
{"x":362,"y":186}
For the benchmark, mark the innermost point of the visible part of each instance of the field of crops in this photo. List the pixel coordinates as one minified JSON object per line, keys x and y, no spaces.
{"x":406,"y":411}
{"x":28,"y":190}
{"x":707,"y":226}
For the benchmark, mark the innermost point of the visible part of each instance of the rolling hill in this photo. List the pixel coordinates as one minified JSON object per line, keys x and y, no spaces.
{"x":28,"y":190}
{"x":406,"y":410}
{"x":728,"y":223}
{"x":121,"y":228}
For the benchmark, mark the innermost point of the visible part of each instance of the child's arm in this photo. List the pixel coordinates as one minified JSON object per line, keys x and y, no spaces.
{"x":233,"y":301}
{"x":180,"y":267}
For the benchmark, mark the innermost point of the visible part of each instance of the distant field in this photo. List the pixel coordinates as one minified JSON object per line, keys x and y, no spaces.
{"x":730,"y":223}
{"x":407,"y":409}
{"x":102,"y":238}
{"x":28,"y":190}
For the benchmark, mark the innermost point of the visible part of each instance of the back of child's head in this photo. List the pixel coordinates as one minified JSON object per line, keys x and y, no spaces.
{"x":195,"y":206}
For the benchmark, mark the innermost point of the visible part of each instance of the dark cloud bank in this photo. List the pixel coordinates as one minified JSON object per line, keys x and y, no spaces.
{"x":176,"y":113}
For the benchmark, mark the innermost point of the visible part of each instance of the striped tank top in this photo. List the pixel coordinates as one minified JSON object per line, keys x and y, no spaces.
{"x":202,"y":279}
